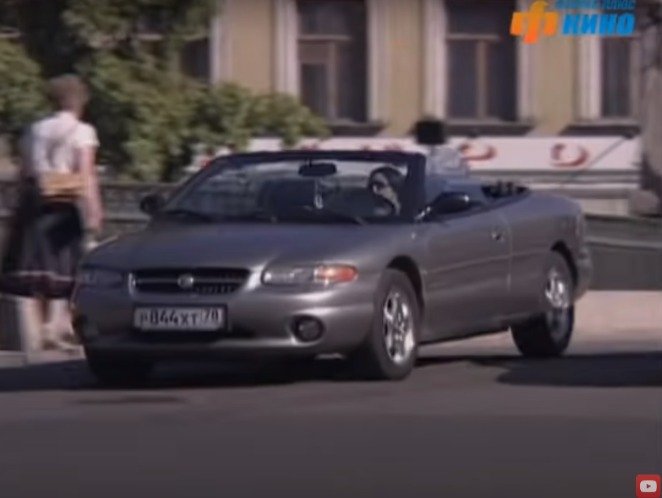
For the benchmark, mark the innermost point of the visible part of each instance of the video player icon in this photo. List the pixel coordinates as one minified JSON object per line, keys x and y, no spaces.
{"x":648,"y":486}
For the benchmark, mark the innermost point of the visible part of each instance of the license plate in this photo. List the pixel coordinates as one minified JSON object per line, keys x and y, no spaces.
{"x":204,"y":319}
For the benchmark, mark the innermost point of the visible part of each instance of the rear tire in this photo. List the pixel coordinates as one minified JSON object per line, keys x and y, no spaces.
{"x":548,"y":334}
{"x":118,"y":372}
{"x":391,"y":347}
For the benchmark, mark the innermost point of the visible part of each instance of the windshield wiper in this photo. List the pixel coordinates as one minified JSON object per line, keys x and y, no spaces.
{"x":188,"y":213}
{"x":334,"y":215}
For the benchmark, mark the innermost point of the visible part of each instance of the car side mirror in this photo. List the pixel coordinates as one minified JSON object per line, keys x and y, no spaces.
{"x":449,"y":203}
{"x":152,"y":203}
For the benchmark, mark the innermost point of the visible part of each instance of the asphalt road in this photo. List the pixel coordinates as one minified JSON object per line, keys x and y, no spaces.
{"x":473,"y":421}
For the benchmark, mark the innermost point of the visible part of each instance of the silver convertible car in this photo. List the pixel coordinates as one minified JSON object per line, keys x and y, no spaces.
{"x":293,"y":255}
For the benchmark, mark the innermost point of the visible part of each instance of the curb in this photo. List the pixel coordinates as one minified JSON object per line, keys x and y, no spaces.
{"x":9,"y":359}
{"x":15,"y":359}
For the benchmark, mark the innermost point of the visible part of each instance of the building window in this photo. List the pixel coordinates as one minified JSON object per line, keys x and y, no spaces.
{"x":482,"y":60}
{"x":332,"y":45}
{"x":619,"y":76}
{"x":195,"y":57}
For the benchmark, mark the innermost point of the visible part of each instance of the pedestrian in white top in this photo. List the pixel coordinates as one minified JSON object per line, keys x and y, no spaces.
{"x":58,"y":198}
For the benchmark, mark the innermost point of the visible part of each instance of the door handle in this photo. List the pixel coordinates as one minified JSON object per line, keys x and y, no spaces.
{"x":497,"y":235}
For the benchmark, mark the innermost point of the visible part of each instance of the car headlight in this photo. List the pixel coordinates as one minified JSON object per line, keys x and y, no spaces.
{"x":297,"y":275}
{"x":99,"y":277}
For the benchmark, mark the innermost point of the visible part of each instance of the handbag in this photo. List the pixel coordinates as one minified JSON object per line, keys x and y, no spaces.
{"x":57,"y":184}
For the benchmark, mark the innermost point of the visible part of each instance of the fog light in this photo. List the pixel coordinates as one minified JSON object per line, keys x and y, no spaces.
{"x":307,"y":329}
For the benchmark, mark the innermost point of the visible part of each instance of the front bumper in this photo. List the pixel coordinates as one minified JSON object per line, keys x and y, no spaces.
{"x":259,"y":322}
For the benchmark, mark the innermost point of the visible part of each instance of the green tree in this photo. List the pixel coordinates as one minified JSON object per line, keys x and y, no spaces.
{"x":140,"y":103}
{"x":116,"y":25}
{"x":45,"y":35}
{"x":141,"y":114}
{"x":150,"y":116}
{"x":21,"y":95}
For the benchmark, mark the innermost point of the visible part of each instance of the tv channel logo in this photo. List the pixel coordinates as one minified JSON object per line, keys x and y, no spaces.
{"x":574,"y":18}
{"x":648,"y":486}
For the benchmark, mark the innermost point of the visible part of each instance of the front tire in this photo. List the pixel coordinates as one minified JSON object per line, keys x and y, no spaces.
{"x":391,"y":347}
{"x":548,"y":334}
{"x":118,"y":372}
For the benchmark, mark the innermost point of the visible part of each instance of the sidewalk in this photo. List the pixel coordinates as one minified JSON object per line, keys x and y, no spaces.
{"x":14,"y":359}
{"x":612,"y":313}
{"x":605,"y":321}
{"x":11,"y":359}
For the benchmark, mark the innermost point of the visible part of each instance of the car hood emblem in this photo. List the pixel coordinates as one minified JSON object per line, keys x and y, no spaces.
{"x":186,"y":281}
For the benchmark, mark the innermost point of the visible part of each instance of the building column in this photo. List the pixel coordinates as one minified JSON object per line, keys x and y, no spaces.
{"x":435,"y":59}
{"x":379,"y":74}
{"x":526,"y":71}
{"x":220,"y":43}
{"x":588,"y":69}
{"x":285,"y":47}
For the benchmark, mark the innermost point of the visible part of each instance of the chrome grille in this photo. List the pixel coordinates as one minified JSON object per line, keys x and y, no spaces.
{"x":204,"y":281}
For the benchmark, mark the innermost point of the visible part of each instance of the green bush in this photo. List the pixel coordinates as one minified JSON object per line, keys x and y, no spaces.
{"x":21,"y":91}
{"x":283,"y":116}
{"x":141,"y":115}
{"x":149,"y":121}
{"x":223,"y":116}
{"x":230,"y":115}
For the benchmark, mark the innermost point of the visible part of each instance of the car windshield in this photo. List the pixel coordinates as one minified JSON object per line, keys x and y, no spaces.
{"x":317,"y":190}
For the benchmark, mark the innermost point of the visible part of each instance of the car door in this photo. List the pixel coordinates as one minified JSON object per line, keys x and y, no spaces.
{"x":468,"y":272}
{"x":530,"y":235}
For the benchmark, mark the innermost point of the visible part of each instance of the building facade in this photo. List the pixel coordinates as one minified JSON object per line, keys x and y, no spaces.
{"x":373,"y":67}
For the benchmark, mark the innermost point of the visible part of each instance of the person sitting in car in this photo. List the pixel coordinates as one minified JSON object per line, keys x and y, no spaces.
{"x":385,"y":182}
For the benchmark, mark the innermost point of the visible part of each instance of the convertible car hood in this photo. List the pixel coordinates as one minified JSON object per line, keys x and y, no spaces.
{"x":236,"y":245}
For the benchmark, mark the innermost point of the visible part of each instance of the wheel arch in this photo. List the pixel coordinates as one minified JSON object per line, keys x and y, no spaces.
{"x":562,"y":248}
{"x":410,"y":268}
